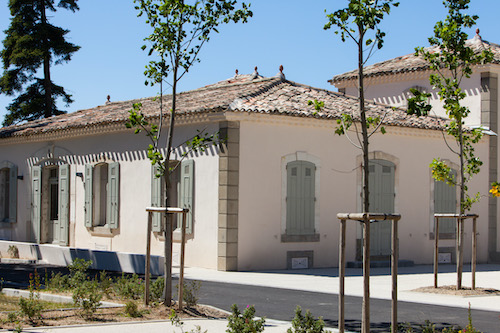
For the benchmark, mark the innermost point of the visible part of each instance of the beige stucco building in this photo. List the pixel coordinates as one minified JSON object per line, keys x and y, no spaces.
{"x":266,"y":198}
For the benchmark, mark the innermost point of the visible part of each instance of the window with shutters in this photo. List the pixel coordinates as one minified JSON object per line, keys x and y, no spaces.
{"x":445,"y":201}
{"x":102,"y":195}
{"x":8,"y":192}
{"x":300,"y":202}
{"x":180,"y":192}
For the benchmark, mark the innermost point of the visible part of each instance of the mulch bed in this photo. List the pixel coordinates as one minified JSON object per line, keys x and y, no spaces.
{"x":465,"y":291}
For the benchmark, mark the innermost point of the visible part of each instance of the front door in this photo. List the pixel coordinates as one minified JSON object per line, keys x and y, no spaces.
{"x":52,"y":206}
{"x":50,"y":203}
{"x":381,"y":178}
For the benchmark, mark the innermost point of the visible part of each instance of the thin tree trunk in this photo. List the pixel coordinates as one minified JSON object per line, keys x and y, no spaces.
{"x":366,"y":203}
{"x":167,"y":290}
{"x":460,"y":229}
{"x":47,"y":83}
{"x":364,"y":130}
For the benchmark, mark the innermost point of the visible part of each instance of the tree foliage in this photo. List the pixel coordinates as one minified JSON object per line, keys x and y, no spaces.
{"x":31,"y":44}
{"x":451,"y":59}
{"x":180,"y":29}
{"x":359,"y":22}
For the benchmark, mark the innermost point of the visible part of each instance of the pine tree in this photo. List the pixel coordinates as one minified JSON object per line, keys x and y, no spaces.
{"x":32,"y":44}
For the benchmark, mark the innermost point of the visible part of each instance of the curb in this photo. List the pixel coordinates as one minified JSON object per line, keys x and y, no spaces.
{"x":51,"y":297}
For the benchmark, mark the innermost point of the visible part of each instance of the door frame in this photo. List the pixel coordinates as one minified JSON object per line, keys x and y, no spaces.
{"x":41,"y":216}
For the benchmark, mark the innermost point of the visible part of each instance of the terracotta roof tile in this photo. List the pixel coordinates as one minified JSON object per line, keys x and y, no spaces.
{"x":413,"y":63}
{"x":244,"y":94}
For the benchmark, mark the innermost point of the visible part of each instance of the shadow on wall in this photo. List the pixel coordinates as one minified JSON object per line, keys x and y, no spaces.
{"x":101,"y":260}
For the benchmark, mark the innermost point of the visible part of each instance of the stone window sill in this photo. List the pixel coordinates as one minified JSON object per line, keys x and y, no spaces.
{"x":443,"y":236}
{"x":177,"y":236}
{"x":299,"y":238}
{"x":103,"y":231}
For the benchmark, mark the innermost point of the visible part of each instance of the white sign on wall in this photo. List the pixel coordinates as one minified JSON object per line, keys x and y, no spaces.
{"x":300,"y":263}
{"x":444,"y":258}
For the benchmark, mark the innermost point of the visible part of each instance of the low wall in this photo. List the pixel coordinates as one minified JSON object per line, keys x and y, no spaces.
{"x":101,"y":260}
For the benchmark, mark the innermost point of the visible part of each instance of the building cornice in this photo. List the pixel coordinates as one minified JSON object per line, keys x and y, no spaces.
{"x":330,"y":124}
{"x":386,"y":78}
{"x":103,"y":128}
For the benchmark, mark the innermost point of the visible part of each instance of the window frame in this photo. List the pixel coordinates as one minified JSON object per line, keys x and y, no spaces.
{"x":12,"y":192}
{"x":443,"y":235}
{"x":158,"y":195}
{"x":112,"y":197}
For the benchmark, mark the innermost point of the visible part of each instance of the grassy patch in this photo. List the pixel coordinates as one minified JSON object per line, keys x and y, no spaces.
{"x":11,"y":303}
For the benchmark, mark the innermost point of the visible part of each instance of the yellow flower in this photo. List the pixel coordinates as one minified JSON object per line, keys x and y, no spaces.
{"x":495,"y":191}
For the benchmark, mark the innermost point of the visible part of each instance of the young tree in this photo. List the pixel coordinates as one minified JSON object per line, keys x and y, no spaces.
{"x":451,"y":59}
{"x":359,"y":22}
{"x":31,"y":42}
{"x":179,"y":31}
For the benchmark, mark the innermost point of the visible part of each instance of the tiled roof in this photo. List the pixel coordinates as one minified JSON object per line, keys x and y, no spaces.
{"x":242,"y":93}
{"x":413,"y":63}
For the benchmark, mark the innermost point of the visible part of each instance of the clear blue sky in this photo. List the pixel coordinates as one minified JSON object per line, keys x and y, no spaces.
{"x":282,"y":32}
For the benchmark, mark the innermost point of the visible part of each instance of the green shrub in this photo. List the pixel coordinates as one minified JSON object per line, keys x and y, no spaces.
{"x":105,"y":283}
{"x":12,"y":317}
{"x":244,"y":322}
{"x":58,"y":282}
{"x":78,"y":271}
{"x":190,"y":293}
{"x":129,"y":287}
{"x":306,"y":323}
{"x":156,"y":289}
{"x":31,"y":307}
{"x":132,"y":310}
{"x":87,"y":297}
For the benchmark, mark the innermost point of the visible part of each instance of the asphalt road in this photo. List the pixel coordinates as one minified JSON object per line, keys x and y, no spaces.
{"x":280,"y":304}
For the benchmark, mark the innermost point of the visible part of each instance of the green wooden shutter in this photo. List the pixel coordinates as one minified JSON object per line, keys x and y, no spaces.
{"x":445,"y":201}
{"x":36,"y":177}
{"x":13,"y":194}
{"x":186,"y":193}
{"x":156,"y":197}
{"x":64,"y":178}
{"x":382,"y":179}
{"x":113,"y":195}
{"x":308,"y":197}
{"x":293,"y":205}
{"x":300,"y":201}
{"x":89,"y":195}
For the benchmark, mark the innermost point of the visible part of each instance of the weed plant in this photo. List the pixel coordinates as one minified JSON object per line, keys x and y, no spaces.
{"x":32,"y":307}
{"x":132,"y":310}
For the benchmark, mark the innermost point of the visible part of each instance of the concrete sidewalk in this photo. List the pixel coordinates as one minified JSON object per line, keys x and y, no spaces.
{"x":212,"y":326}
{"x":324,"y":281}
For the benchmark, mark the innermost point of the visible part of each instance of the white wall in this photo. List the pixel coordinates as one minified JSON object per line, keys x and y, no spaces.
{"x":393,"y":93}
{"x":135,"y":193}
{"x":263,"y":144}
